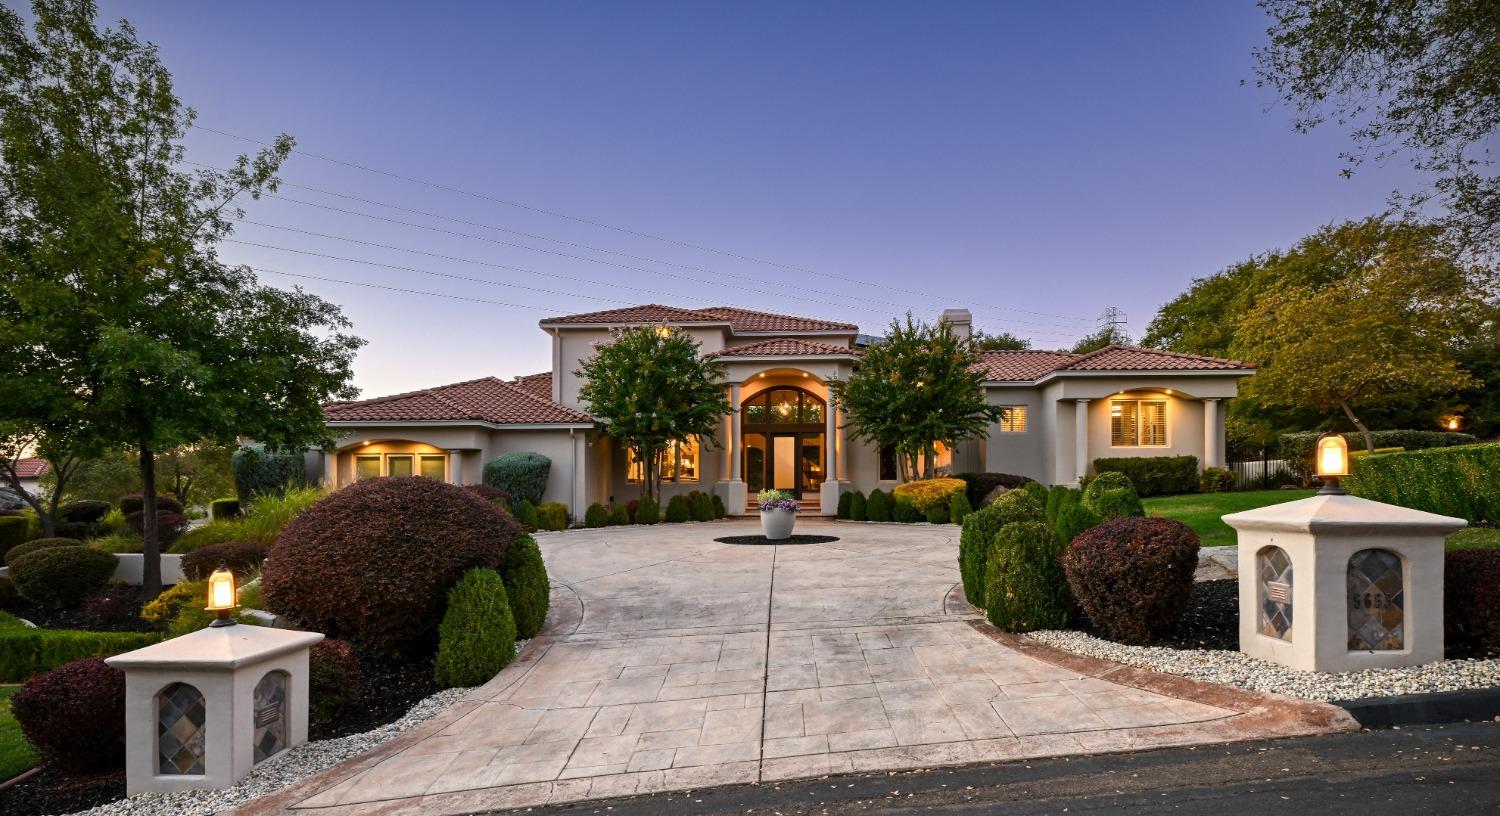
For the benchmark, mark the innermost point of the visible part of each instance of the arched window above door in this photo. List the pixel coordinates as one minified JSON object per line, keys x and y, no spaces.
{"x":784,"y":405}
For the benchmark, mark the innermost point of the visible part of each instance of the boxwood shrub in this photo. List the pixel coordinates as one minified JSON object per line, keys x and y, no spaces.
{"x":1073,"y":519}
{"x":980,"y":485}
{"x":477,"y":637}
{"x":647,"y":511}
{"x":552,"y":516}
{"x":522,"y":475}
{"x":1025,"y":588}
{"x":1154,"y":475}
{"x":84,"y":511}
{"x":720,"y":511}
{"x":939,"y":512}
{"x":978,"y":535}
{"x":224,"y":509}
{"x":678,"y":510}
{"x":526,"y":585}
{"x":619,"y":516}
{"x":136,"y":503}
{"x":74,"y":716}
{"x":958,"y":507}
{"x":926,"y":494}
{"x":878,"y":507}
{"x":1216,"y":480}
{"x":1458,"y":481}
{"x":703,"y":507}
{"x":902,"y":511}
{"x":372,"y":563}
{"x":1133,"y":576}
{"x":12,"y":554}
{"x":859,"y":508}
{"x":243,"y":558}
{"x":1120,"y":502}
{"x":62,"y":576}
{"x":595,"y":516}
{"x":526,"y":515}
{"x":843,"y":509}
{"x":25,"y":651}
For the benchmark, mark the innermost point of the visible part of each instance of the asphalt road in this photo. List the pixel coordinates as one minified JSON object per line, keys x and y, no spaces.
{"x":1453,"y":769}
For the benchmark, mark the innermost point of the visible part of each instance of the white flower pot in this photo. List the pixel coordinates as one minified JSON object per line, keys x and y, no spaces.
{"x":777,"y":524}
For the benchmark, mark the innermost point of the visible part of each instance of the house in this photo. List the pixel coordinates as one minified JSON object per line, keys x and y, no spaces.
{"x":1065,"y":410}
{"x":29,"y":473}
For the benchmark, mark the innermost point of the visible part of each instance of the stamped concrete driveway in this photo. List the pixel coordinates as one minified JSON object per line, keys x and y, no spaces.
{"x":671,"y":661}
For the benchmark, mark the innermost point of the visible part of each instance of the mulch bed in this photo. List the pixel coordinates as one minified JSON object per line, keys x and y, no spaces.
{"x":50,"y":792}
{"x":760,"y":539}
{"x":1211,"y":621}
{"x":116,"y":609}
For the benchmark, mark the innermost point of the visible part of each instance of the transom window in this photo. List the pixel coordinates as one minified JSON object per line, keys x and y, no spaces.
{"x":1138,"y":423}
{"x":783,"y":406}
{"x":375,"y":465}
{"x":1014,"y":420}
{"x":678,"y":462}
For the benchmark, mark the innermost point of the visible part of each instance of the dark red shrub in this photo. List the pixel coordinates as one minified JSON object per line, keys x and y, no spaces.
{"x":1471,"y":603}
{"x":170,"y":525}
{"x":334,"y":680}
{"x":488,"y":493}
{"x":83,"y":511}
{"x":243,"y":558}
{"x":372,"y":563}
{"x":75,"y":715}
{"x":135,"y":503}
{"x":630,"y":508}
{"x":114,"y":607}
{"x":1133,"y":576}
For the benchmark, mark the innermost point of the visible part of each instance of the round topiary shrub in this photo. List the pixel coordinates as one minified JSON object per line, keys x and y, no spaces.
{"x":526,"y":585}
{"x":703,"y":507}
{"x":38,"y":544}
{"x":526,"y":515}
{"x":243,"y":558}
{"x":75,"y":716}
{"x":1073,"y":519}
{"x":926,"y":494}
{"x":978,"y":535}
{"x":595,"y":516}
{"x":720,"y":511}
{"x":648,"y":511}
{"x":552,"y":516}
{"x":938,"y":513}
{"x":1471,"y":603}
{"x":843,"y":508}
{"x":859,"y":506}
{"x":522,"y":475}
{"x":333,"y":679}
{"x":372,"y":563}
{"x":619,"y":516}
{"x":678,"y":510}
{"x":1117,"y":503}
{"x":83,"y":511}
{"x":1133,"y":576}
{"x":170,"y":525}
{"x":959,"y":507}
{"x":1025,"y":588}
{"x":904,"y":513}
{"x":478,"y":634}
{"x":878,"y":506}
{"x":1108,"y":480}
{"x":135,"y":503}
{"x":62,"y":576}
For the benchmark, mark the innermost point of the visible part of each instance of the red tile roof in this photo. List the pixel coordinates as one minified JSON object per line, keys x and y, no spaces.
{"x":739,"y":320}
{"x":32,"y":467}
{"x":484,"y":400}
{"x":1031,"y":365}
{"x":787,"y":347}
{"x":538,"y":385}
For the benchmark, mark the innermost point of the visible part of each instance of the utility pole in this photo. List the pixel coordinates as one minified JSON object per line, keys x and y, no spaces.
{"x":1113,"y":321}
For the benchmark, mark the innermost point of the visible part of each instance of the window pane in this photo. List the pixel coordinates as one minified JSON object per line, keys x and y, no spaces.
{"x":687,"y":460}
{"x":398,"y":466}
{"x":432,"y":467}
{"x":366,"y":467}
{"x":755,"y":462}
{"x":1014,"y":420}
{"x":755,"y":409}
{"x":668,"y":462}
{"x":812,"y":409}
{"x":635,"y":469}
{"x":783,"y":405}
{"x":1122,"y":423}
{"x":812,"y":461}
{"x":1154,"y":423}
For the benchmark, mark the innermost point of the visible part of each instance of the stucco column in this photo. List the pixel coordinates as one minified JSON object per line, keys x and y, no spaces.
{"x":843,"y":446}
{"x":331,"y":468}
{"x":455,"y":467}
{"x":830,"y":429}
{"x":736,"y":433}
{"x":1213,"y":454}
{"x":726,"y":441}
{"x":1081,"y":437}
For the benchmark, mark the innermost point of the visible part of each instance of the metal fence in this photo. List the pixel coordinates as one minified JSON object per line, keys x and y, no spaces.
{"x":1261,"y":473}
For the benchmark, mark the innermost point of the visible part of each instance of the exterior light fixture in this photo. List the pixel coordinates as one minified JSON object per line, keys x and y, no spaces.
{"x":1333,"y":463}
{"x":1452,"y":423}
{"x":221,"y":597}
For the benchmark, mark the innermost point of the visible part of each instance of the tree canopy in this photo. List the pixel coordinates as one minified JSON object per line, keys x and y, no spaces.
{"x":1107,"y":335}
{"x":999,"y":341}
{"x":648,"y":387}
{"x":918,"y":386}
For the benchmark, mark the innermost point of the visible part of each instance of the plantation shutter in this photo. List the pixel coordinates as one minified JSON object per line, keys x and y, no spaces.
{"x":1154,"y":423}
{"x":1122,"y":423}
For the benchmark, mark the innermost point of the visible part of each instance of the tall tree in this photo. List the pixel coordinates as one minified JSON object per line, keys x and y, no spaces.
{"x":1415,"y":77}
{"x":648,"y":387}
{"x":1383,"y":333}
{"x":999,"y":341}
{"x":919,"y":386}
{"x":116,"y":314}
{"x":1108,"y":335}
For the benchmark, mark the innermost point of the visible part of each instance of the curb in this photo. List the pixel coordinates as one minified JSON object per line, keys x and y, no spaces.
{"x":1432,"y":708}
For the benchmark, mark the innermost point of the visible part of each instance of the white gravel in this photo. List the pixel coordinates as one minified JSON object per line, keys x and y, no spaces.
{"x":279,"y":771}
{"x":1237,"y":669}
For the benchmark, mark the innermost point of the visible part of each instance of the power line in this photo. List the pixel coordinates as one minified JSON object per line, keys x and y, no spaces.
{"x":602,"y":225}
{"x":367,"y":285}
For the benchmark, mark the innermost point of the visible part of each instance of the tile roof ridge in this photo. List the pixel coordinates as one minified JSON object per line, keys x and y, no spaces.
{"x":707,"y":309}
{"x":542,"y":400}
{"x":416,"y":393}
{"x":1164,"y":352}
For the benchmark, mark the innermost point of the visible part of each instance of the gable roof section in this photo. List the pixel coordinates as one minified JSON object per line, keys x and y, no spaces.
{"x":537,"y":385}
{"x":740,"y":321}
{"x":489,"y":399}
{"x":32,"y":467}
{"x":1030,"y":365}
{"x":1022,"y":365}
{"x":787,"y":347}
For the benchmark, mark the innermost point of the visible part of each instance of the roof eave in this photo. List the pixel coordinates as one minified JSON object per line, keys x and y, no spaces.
{"x":452,"y":423}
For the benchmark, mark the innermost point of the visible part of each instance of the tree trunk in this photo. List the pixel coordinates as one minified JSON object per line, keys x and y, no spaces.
{"x":929,"y":467}
{"x":1349,"y":412}
{"x":151,"y":548}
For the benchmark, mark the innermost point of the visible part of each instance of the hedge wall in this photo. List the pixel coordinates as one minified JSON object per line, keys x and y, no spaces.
{"x":1297,"y":448}
{"x":25,"y":652}
{"x":1461,"y":481}
{"x":1155,"y":475}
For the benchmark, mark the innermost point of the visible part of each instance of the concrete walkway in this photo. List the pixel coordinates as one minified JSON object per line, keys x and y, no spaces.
{"x":673,"y":662}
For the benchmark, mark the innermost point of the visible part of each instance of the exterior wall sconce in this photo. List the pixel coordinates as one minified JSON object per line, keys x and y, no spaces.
{"x":1333,"y":463}
{"x":1451,"y":423}
{"x":221,"y":597}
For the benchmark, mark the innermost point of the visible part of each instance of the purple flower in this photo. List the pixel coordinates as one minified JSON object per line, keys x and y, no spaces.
{"x":779,"y":504}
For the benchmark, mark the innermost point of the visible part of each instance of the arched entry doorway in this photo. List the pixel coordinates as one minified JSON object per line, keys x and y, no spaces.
{"x":784,"y":439}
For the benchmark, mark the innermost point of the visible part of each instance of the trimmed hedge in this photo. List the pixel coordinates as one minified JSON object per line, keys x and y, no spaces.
{"x":703,"y":507}
{"x":1133,"y":576}
{"x":1118,"y":503}
{"x":648,"y":511}
{"x":552,"y":516}
{"x":75,"y":716}
{"x":904,"y":513}
{"x":1154,"y":475}
{"x":13,"y":530}
{"x":62,"y":576}
{"x":136,"y":503}
{"x":1025,"y":588}
{"x":619,"y":516}
{"x":478,"y":635}
{"x":242,"y":558}
{"x":1073,"y":519}
{"x":720,"y":511}
{"x":372,"y":563}
{"x":260,"y":472}
{"x":878,"y":507}
{"x":979,"y":485}
{"x":678,"y":510}
{"x":83,"y":511}
{"x":978,"y":535}
{"x":859,"y":508}
{"x":1216,"y":480}
{"x":1458,"y":481}
{"x":939,"y":512}
{"x":1298,"y":448}
{"x":522,"y":475}
{"x":224,"y":509}
{"x":926,"y":494}
{"x":333,"y":679}
{"x":525,"y":514}
{"x":959,"y":507}
{"x":37,"y":544}
{"x":595,"y":516}
{"x":25,"y":651}
{"x":844,"y":499}
{"x":526,"y":585}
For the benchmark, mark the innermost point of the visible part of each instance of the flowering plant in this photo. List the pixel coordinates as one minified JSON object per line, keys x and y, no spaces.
{"x":776,"y":500}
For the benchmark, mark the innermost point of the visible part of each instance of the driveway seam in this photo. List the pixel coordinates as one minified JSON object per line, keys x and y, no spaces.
{"x":765,"y":674}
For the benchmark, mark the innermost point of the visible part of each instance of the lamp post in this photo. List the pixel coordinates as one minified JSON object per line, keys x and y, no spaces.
{"x":221,"y":597}
{"x":1333,"y":463}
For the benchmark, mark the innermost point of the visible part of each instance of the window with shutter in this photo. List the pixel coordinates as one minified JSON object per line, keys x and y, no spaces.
{"x":1138,"y":423}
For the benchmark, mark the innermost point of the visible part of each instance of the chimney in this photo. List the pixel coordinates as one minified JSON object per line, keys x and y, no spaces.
{"x":960,"y":321}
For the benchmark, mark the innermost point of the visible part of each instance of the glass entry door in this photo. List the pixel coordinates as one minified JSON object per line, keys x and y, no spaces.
{"x":784,"y":462}
{"x":783,"y":440}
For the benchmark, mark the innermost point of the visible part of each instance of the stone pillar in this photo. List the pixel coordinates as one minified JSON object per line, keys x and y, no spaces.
{"x":231,"y":696}
{"x":734,"y":483}
{"x":1081,"y":438}
{"x":1336,"y":583}
{"x":1213,"y":441}
{"x":455,"y":467}
{"x":830,"y":430}
{"x":843,"y":448}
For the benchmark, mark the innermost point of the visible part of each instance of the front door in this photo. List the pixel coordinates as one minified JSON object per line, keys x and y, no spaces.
{"x":785,"y":474}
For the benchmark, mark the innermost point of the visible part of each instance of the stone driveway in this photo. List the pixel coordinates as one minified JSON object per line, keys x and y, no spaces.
{"x":672,"y":662}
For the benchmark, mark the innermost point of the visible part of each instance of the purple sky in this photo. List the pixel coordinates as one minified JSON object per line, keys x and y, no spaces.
{"x":1035,"y":162}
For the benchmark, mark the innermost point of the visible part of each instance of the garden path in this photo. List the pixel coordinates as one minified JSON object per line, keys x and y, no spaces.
{"x":673,"y":662}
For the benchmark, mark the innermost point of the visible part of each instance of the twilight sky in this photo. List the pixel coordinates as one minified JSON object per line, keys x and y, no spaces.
{"x":1034,"y":162}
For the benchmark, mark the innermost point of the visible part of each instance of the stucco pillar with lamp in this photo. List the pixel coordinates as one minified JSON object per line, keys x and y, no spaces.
{"x":1080,"y":439}
{"x":1337,"y":583}
{"x":828,"y":492}
{"x":734,"y":484}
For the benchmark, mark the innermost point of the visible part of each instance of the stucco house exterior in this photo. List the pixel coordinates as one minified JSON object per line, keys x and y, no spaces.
{"x":1065,"y":411}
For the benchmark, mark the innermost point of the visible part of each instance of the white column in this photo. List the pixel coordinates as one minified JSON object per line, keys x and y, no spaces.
{"x":1081,"y":437}
{"x":736,"y":434}
{"x":830,"y":428}
{"x":455,"y":467}
{"x":1213,"y":453}
{"x":726,"y":440}
{"x":331,"y":469}
{"x":843,"y":447}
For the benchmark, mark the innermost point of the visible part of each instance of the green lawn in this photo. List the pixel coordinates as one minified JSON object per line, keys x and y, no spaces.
{"x":16,"y":755}
{"x":1472,"y":537}
{"x":1201,"y":511}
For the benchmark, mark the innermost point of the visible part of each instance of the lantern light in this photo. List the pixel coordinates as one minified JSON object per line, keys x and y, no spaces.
{"x":1333,"y":462}
{"x":1453,"y":423}
{"x":222,"y":598}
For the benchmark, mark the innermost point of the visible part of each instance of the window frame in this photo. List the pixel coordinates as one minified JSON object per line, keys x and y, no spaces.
{"x":634,"y":470}
{"x":416,"y":463}
{"x":1140,"y":422}
{"x":1009,"y":419}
